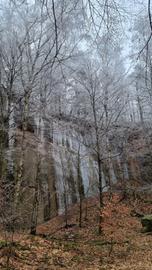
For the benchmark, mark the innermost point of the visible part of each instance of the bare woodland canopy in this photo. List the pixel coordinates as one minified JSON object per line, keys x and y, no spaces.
{"x":75,"y":82}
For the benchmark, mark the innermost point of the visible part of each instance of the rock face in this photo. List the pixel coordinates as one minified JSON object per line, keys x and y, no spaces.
{"x":45,"y":161}
{"x":146,"y":222}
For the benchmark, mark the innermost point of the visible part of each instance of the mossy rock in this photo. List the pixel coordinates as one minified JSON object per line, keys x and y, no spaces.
{"x":3,"y":244}
{"x":146,"y":222}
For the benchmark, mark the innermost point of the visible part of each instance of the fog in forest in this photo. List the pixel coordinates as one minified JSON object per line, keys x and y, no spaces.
{"x":75,"y":112}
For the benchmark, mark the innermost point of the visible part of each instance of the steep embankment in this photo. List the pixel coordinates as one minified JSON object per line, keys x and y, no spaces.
{"x":55,"y":155}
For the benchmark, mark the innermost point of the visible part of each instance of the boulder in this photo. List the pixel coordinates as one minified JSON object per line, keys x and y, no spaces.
{"x":146,"y":222}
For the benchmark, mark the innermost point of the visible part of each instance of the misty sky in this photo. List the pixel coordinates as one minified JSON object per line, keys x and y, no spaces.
{"x":132,"y":8}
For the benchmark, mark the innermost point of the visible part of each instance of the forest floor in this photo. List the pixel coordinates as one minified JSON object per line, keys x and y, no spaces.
{"x":122,"y":245}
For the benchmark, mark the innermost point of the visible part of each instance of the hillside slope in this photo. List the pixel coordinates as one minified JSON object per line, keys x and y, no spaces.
{"x":122,"y":246}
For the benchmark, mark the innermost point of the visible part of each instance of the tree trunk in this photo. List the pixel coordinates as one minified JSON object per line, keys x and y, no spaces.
{"x":80,"y":188}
